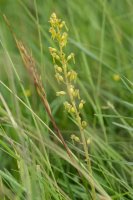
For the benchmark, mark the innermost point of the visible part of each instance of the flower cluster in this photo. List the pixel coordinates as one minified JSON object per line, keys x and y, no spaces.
{"x":63,"y":74}
{"x":75,"y":138}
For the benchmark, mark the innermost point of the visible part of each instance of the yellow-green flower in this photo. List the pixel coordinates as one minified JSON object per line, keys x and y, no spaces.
{"x":116,"y":77}
{"x":27,"y":93}
{"x":60,"y":93}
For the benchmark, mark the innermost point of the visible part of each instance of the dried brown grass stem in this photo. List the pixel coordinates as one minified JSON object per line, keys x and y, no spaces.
{"x":30,"y":64}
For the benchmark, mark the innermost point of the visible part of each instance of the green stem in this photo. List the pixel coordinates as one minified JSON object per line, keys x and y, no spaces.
{"x":79,"y":125}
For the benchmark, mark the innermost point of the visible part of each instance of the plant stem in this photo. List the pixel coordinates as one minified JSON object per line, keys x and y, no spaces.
{"x":63,"y":61}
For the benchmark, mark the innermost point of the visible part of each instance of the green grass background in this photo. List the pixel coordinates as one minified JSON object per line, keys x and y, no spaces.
{"x":33,"y":165}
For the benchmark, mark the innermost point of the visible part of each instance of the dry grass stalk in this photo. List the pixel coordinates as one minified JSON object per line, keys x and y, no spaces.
{"x":29,"y":63}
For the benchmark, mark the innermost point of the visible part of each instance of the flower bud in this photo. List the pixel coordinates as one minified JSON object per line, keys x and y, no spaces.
{"x":73,"y":75}
{"x":81,"y":104}
{"x":71,"y":89}
{"x":60,"y":93}
{"x":88,"y":141}
{"x":71,"y":56}
{"x":53,"y":16}
{"x":59,"y":69}
{"x":76,"y":93}
{"x":84,"y":124}
{"x":72,"y":110}
{"x":53,"y":32}
{"x":67,"y":106}
{"x":75,"y":138}
{"x":57,"y":57}
{"x":63,"y":40}
{"x":52,"y":50}
{"x":59,"y":77}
